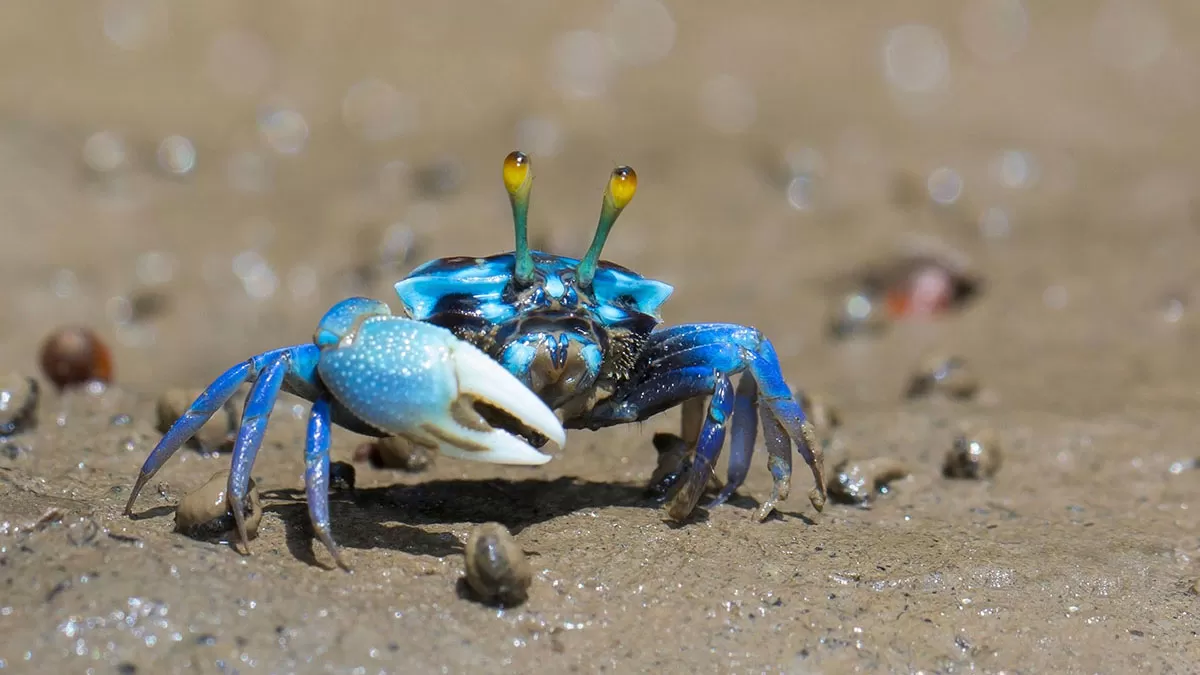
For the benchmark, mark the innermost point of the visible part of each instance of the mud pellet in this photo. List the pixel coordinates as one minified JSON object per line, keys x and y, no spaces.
{"x":948,"y":376}
{"x":497,"y":569}
{"x":395,"y":452}
{"x":974,"y":456}
{"x":204,"y":512}
{"x":857,"y":482}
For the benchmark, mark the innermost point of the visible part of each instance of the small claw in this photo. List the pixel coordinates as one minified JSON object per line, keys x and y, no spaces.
{"x":416,"y":380}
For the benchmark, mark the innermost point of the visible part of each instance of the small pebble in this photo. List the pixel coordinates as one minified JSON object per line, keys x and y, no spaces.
{"x":204,"y":513}
{"x":497,"y":569}
{"x":856,"y":482}
{"x":74,"y":356}
{"x":1195,"y":589}
{"x":949,"y":376}
{"x":674,"y":459}
{"x":395,"y":452}
{"x":216,"y":435}
{"x":18,"y":403}
{"x":342,"y":476}
{"x":974,"y":456}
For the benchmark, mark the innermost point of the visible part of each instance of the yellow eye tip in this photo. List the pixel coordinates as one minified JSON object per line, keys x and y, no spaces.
{"x":516,"y":171}
{"x":622,"y":186}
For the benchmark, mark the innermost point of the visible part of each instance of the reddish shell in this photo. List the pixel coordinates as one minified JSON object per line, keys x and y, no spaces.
{"x":75,"y":355}
{"x":922,"y":287}
{"x":927,"y":291}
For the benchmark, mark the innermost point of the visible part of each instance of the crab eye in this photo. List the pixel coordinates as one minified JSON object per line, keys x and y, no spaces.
{"x":622,"y":185}
{"x":518,"y":180}
{"x":516,"y":171}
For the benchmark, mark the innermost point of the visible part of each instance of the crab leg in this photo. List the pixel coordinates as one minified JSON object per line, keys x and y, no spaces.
{"x":259,"y":405}
{"x":741,"y":446}
{"x":686,"y":361}
{"x":208,"y":403}
{"x":316,"y":476}
{"x":708,"y":448}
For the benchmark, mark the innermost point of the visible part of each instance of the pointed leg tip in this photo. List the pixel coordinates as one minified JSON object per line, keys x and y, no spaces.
{"x":764,"y":511}
{"x":239,"y":519}
{"x":335,"y":551}
{"x":818,"y":498}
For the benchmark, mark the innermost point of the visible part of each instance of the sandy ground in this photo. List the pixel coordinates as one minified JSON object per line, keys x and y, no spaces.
{"x":1077,"y":557}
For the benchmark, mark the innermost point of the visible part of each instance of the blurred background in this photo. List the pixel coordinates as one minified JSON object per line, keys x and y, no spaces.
{"x":876,"y":185}
{"x":199,"y":181}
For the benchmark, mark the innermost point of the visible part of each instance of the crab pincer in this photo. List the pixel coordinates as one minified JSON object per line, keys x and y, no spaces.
{"x":379,"y":375}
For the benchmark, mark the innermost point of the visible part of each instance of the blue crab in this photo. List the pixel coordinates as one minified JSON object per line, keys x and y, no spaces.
{"x":487,"y":348}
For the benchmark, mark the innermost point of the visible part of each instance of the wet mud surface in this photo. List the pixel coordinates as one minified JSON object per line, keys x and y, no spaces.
{"x":1078,"y":555}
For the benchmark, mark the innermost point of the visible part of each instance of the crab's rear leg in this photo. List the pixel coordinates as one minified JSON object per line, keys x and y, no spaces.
{"x":684,"y":362}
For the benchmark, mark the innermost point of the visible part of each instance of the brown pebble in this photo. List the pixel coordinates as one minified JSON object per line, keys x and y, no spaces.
{"x":216,"y":434}
{"x":18,"y":403}
{"x":857,"y":482}
{"x":674,"y":459}
{"x":497,"y":569}
{"x":74,"y":356}
{"x":948,"y":376}
{"x":204,"y":512}
{"x":395,"y":452}
{"x":974,"y":456}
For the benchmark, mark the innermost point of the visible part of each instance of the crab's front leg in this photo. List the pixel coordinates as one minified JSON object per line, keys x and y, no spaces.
{"x":683,"y":363}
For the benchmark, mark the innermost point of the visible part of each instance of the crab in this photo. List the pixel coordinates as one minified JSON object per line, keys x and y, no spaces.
{"x":492,"y":358}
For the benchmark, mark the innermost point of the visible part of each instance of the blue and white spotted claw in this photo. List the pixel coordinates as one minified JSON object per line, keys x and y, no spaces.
{"x":416,"y":380}
{"x":378,"y":375}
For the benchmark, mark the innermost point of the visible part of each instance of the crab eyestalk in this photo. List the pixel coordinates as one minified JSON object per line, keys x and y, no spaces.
{"x":622,"y":184}
{"x":518,"y":180}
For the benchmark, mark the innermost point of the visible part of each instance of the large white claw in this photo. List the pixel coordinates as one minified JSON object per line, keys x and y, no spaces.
{"x":416,"y":380}
{"x":481,"y":378}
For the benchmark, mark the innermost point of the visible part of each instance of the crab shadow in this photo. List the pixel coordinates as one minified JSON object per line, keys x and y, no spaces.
{"x":393,"y":517}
